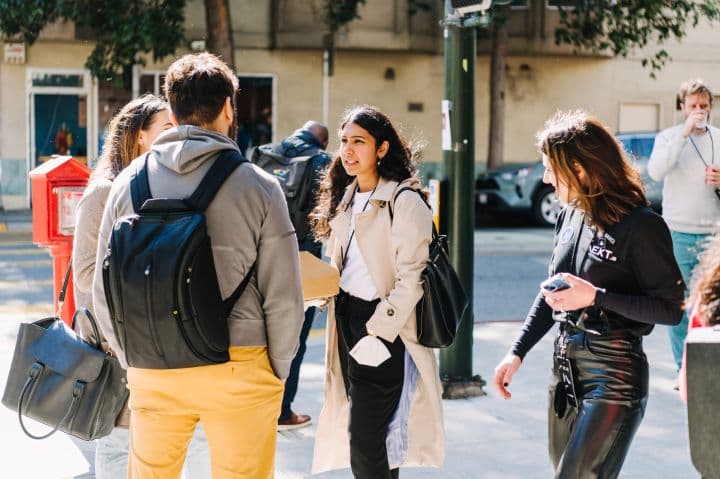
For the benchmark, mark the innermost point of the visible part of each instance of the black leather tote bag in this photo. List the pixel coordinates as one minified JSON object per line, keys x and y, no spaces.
{"x":443,"y":303}
{"x":62,"y":381}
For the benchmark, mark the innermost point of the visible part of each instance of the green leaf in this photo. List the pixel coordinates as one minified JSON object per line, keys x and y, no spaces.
{"x":122,"y":29}
{"x":621,"y":26}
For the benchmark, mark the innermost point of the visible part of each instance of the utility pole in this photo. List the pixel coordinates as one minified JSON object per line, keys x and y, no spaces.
{"x":456,"y":369}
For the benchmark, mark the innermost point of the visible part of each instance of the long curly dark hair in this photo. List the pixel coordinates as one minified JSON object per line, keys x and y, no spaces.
{"x":398,"y":164}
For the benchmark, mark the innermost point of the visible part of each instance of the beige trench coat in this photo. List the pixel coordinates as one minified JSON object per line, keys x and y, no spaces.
{"x":395,"y":259}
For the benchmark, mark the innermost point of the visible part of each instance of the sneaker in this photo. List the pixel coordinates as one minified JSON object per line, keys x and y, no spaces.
{"x":295,"y":421}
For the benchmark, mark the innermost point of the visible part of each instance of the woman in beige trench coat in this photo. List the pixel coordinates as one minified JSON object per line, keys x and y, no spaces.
{"x":376,"y":417}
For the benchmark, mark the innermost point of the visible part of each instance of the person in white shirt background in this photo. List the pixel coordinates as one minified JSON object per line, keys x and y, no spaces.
{"x":686,"y":157}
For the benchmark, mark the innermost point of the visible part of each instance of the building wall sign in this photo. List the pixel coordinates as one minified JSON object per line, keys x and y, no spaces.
{"x":14,"y":53}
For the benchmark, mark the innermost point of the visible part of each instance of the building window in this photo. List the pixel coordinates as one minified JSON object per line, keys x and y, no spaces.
{"x":151,"y":82}
{"x":57,"y":80}
{"x":254,"y":105}
{"x":561,"y":3}
{"x":638,"y":117}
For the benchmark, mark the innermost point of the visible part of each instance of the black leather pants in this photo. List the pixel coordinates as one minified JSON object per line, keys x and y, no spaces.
{"x":610,"y":379}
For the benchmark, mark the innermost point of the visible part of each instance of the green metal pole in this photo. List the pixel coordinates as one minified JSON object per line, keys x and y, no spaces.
{"x":460,"y":54}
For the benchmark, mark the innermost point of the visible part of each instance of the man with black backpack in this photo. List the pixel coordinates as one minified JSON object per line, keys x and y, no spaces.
{"x":199,"y":290}
{"x":298,"y":162}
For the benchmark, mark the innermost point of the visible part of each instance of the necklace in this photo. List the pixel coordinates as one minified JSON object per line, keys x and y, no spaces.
{"x":352,"y":233}
{"x":712,"y":149}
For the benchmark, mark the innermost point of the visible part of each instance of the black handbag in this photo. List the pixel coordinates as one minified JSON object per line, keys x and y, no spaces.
{"x":62,"y":381}
{"x":443,"y":303}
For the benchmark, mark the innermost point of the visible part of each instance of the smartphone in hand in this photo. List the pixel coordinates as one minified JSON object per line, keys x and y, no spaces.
{"x":554,"y":284}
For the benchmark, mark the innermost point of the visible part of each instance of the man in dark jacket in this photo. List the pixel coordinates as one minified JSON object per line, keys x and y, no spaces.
{"x":311,"y":139}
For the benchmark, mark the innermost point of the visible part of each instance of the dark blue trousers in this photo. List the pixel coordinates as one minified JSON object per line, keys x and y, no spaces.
{"x":291,"y":384}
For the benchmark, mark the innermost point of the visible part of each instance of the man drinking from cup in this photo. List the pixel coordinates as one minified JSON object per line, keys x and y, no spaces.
{"x":686,"y":157}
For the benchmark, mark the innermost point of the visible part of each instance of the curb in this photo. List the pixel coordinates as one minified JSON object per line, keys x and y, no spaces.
{"x":20,"y":227}
{"x":19,"y":221}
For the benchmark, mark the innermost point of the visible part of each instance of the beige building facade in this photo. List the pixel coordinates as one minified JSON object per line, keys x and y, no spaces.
{"x":387,"y":58}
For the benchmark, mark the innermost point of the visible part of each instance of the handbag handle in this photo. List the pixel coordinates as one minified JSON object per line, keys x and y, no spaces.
{"x":63,"y":290}
{"x":35,"y":372}
{"x":81,"y":310}
{"x":93,"y":324}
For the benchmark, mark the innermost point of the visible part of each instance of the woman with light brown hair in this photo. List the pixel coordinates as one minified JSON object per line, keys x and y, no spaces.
{"x":613,"y":276}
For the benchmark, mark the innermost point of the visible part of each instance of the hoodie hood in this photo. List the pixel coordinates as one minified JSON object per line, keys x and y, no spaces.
{"x":184,"y":148}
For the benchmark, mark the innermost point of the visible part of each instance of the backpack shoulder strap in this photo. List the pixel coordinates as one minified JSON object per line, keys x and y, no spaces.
{"x":229,"y":303}
{"x":226,"y":162}
{"x":140,"y":186}
{"x":224,"y":165}
{"x":405,"y":188}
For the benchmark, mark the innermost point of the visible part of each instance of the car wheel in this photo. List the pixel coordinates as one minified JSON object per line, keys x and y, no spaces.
{"x":545,"y":207}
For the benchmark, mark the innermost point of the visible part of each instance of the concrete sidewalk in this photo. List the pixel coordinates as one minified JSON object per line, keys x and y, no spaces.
{"x":487,"y":437}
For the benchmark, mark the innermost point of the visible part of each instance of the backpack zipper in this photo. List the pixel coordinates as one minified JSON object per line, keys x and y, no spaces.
{"x":150,"y":317}
{"x":186,"y":292}
{"x":190,"y":346}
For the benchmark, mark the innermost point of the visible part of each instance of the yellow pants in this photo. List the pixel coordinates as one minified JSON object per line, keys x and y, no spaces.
{"x":238,"y":403}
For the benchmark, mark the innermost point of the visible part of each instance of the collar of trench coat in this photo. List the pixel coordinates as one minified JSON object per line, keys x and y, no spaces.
{"x":398,"y":256}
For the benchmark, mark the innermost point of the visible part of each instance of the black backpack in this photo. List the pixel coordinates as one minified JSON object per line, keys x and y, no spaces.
{"x":295,"y":175}
{"x":159,"y":277}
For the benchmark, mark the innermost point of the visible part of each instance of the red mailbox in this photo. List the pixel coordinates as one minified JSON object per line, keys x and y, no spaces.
{"x":57,"y":186}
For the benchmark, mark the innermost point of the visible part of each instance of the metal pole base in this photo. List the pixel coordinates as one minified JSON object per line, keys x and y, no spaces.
{"x":462,"y":388}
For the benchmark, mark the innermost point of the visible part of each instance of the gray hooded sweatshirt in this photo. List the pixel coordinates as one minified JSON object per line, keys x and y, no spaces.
{"x":247,"y":221}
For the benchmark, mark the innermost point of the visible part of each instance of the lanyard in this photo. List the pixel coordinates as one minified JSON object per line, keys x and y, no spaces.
{"x":712,"y":149}
{"x":352,"y":233}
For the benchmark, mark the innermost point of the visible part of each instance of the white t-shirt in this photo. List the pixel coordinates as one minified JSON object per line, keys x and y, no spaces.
{"x":355,"y":277}
{"x":689,"y":205}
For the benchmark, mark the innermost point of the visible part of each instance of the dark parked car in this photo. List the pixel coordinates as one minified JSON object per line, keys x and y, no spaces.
{"x":518,"y":188}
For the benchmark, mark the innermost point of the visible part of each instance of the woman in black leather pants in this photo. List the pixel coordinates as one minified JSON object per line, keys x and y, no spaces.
{"x":617,"y":277}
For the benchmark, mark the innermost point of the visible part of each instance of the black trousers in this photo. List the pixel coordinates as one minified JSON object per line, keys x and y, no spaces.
{"x":610,"y":378}
{"x":374,"y":392}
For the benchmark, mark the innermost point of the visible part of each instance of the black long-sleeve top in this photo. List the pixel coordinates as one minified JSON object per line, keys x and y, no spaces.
{"x":633,"y":263}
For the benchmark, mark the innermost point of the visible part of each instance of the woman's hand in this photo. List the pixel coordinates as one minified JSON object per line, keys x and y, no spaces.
{"x":580,"y":294}
{"x":504,"y":373}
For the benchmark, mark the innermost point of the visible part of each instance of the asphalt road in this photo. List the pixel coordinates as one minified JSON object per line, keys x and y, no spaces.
{"x":487,"y":437}
{"x":509,"y":264}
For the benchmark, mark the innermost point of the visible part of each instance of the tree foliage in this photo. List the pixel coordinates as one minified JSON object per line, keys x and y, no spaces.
{"x":121,"y":29}
{"x":621,"y":26}
{"x":341,"y":12}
